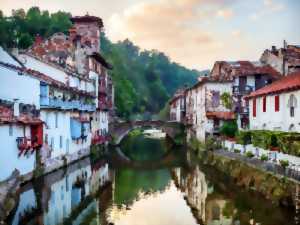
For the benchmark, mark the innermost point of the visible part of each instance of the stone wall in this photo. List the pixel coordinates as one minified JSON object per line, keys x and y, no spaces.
{"x":278,"y":189}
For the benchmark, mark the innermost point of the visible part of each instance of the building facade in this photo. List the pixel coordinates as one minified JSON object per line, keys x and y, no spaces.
{"x":246,"y":77}
{"x":275,"y":107}
{"x":285,"y":60}
{"x":205,"y":110}
{"x":56,"y":97}
{"x":177,"y":106}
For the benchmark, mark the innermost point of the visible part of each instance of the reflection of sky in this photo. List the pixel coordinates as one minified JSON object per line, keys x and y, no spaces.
{"x":164,"y":208}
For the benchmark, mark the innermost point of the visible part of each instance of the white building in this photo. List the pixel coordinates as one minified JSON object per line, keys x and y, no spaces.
{"x":177,"y":106}
{"x":275,"y":107}
{"x":205,"y":109}
{"x":20,"y":126}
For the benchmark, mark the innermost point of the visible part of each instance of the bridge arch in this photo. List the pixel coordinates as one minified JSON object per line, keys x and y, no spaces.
{"x":120,"y":130}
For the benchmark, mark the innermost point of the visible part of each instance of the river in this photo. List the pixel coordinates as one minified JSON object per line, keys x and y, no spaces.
{"x":144,"y":182}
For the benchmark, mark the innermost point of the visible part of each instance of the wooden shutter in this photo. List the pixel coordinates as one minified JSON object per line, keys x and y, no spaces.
{"x":264,"y":104}
{"x":277,"y":103}
{"x":254,"y":107}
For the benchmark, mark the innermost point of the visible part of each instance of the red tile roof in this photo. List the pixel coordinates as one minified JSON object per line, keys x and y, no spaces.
{"x":288,"y":83}
{"x":6,"y":116}
{"x":221,"y":115}
{"x":226,"y":70}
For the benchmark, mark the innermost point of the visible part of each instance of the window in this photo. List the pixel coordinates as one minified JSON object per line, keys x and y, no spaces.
{"x":292,"y":104}
{"x":60,"y":141}
{"x":277,"y":103}
{"x":52,"y":143}
{"x":254,"y":107}
{"x":10,"y":130}
{"x":47,"y":121}
{"x":264,"y":104}
{"x":56,"y":120}
{"x":46,"y":138}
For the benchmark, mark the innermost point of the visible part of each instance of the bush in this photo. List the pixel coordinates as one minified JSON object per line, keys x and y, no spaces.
{"x":211,"y":144}
{"x":249,"y":154}
{"x":289,"y":143}
{"x":265,"y":139}
{"x":284,"y":163}
{"x":243,"y":137}
{"x":237,"y":151}
{"x":264,"y":157}
{"x":229,"y":128}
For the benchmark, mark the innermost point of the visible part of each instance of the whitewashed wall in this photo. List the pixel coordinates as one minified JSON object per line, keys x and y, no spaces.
{"x":42,"y":67}
{"x":22,"y":87}
{"x":201,"y":123}
{"x":62,"y":130}
{"x":59,"y":205}
{"x":271,"y":120}
{"x":9,"y":149}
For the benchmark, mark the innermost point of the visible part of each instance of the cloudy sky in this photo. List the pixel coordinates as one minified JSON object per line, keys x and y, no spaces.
{"x":194,"y":33}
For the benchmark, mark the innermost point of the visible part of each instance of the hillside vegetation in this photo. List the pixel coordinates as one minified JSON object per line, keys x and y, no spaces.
{"x":144,"y":80}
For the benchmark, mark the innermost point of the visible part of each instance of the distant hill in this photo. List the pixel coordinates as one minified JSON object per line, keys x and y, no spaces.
{"x":144,"y":80}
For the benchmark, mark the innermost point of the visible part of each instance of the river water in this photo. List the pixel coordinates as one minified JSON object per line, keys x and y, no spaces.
{"x":144,"y":182}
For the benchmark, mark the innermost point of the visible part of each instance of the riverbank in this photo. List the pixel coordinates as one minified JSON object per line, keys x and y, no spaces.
{"x":254,"y":174}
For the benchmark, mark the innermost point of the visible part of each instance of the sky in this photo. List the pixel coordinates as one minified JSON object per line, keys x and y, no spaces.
{"x":194,"y":33}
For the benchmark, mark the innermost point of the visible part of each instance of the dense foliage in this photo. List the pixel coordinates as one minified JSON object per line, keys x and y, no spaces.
{"x":144,"y":80}
{"x":229,"y":128}
{"x":21,"y":28}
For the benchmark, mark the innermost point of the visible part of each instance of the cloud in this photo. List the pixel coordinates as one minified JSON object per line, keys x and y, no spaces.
{"x":269,"y":6}
{"x":225,"y":13}
{"x":236,"y":33}
{"x":172,"y":26}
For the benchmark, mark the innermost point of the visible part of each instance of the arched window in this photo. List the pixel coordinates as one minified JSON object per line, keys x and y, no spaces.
{"x":292,"y":104}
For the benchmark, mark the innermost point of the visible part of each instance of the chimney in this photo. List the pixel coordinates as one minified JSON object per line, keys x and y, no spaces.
{"x":284,"y":44}
{"x":16,"y":108}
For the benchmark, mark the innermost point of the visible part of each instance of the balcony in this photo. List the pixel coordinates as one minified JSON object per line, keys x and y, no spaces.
{"x":46,"y":102}
{"x":26,"y":144}
{"x":238,"y":90}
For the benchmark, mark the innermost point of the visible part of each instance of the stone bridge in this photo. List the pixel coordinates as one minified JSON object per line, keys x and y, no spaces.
{"x":119,"y":130}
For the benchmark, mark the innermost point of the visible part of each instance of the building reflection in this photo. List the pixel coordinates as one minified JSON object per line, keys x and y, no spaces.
{"x":80,"y":194}
{"x":207,"y":207}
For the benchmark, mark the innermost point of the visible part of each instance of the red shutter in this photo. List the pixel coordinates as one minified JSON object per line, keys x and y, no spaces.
{"x":254,"y":107}
{"x":264,"y":104}
{"x":277,"y":103}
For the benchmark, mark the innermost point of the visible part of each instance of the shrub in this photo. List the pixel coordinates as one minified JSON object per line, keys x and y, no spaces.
{"x":226,"y":100}
{"x":211,"y":144}
{"x":249,"y":154}
{"x":237,"y":151}
{"x":229,"y":128}
{"x":243,"y":137}
{"x":284,"y":163}
{"x":264,"y":157}
{"x":289,"y":143}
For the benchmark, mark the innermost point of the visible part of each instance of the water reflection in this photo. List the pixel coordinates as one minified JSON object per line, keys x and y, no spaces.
{"x":106,"y":191}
